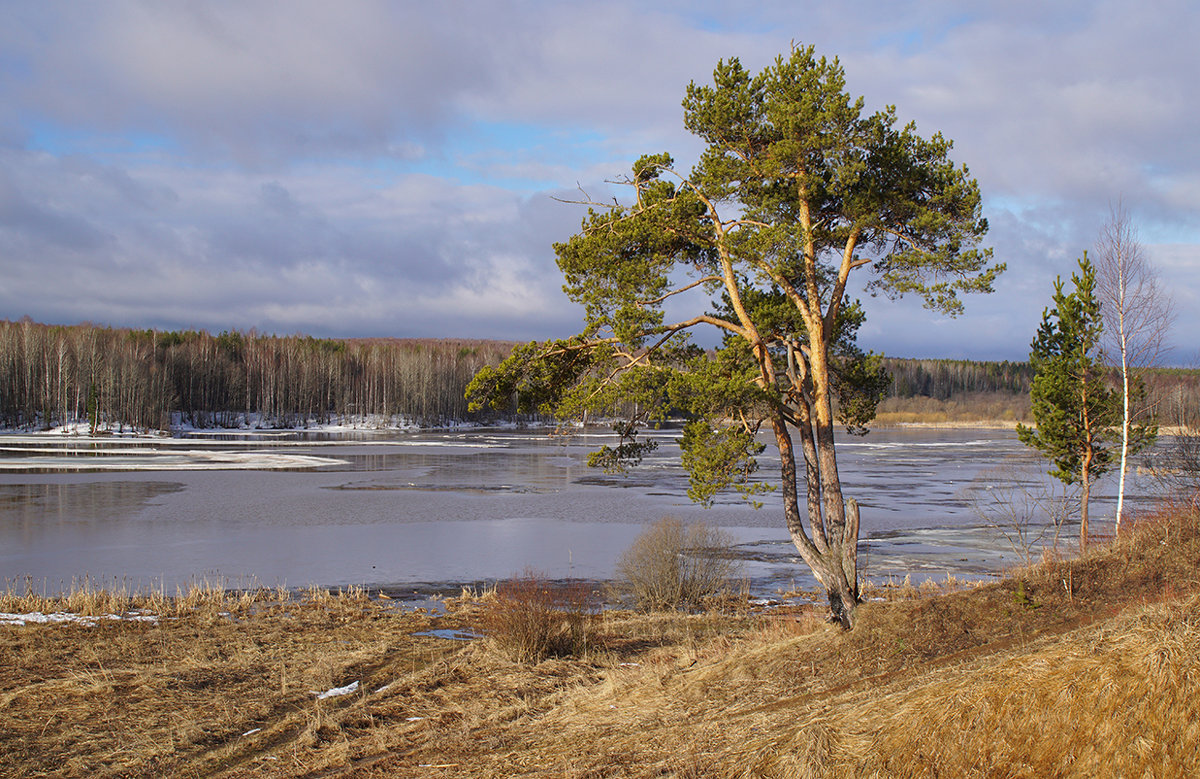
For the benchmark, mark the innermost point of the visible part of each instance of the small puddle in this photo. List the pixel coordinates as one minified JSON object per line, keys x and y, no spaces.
{"x":450,"y":634}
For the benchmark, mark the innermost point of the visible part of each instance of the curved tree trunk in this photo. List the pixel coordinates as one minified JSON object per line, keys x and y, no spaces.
{"x":833,"y":560}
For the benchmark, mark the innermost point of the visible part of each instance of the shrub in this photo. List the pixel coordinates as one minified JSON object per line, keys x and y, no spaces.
{"x":1026,"y":510}
{"x":675,"y":565}
{"x":531,"y":618}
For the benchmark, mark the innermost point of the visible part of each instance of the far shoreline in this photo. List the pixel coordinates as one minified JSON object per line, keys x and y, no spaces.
{"x":80,"y":431}
{"x":991,"y":424}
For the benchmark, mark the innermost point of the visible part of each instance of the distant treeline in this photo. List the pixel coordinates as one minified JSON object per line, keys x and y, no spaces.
{"x":962,"y":390}
{"x":51,"y":375}
{"x":943,"y":379}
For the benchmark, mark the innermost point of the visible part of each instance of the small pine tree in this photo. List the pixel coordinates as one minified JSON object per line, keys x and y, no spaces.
{"x":1074,"y":410}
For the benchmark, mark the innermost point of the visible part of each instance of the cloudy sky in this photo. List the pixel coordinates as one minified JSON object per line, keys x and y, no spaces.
{"x":363,"y":168}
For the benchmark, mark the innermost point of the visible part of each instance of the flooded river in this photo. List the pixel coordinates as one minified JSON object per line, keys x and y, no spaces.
{"x":418,"y":511}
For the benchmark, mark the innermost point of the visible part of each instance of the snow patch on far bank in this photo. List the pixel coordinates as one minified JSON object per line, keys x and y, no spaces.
{"x":61,"y":617}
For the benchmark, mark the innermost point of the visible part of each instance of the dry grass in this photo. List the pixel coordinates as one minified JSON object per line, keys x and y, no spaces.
{"x":1119,"y":698}
{"x":994,"y":408}
{"x":530,"y":618}
{"x":87,"y":597}
{"x":676,"y":565}
{"x":1070,"y":667}
{"x":180,"y":695}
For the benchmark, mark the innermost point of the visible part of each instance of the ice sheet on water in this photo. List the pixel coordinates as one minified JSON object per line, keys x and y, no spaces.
{"x":156,"y":460}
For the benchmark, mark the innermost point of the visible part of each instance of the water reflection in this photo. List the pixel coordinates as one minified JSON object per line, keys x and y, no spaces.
{"x":405,"y":510}
{"x":37,"y":507}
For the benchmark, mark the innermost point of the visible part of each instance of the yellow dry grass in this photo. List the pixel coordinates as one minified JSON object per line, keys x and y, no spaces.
{"x":1114,"y":699}
{"x":999,"y":409}
{"x":1069,"y":668}
{"x":218,"y":679}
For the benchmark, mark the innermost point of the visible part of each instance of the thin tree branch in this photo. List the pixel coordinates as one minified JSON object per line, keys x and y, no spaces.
{"x":839,"y":287}
{"x":693,"y":285}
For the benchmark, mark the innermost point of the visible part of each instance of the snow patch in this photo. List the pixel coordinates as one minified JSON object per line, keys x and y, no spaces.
{"x":336,"y":691}
{"x":60,"y":617}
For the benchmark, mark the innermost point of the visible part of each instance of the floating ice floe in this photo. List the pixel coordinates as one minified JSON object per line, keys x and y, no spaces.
{"x":155,"y":460}
{"x":336,"y":691}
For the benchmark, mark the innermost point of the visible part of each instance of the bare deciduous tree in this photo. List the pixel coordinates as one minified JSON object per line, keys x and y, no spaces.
{"x":1027,"y":510}
{"x":52,"y":376}
{"x":1137,"y":315}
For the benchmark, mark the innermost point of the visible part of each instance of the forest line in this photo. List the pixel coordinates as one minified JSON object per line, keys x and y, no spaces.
{"x":53,"y":375}
{"x":150,"y":380}
{"x":966,"y":391}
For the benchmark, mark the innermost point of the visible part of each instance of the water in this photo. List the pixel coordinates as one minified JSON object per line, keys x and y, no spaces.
{"x":425,"y":511}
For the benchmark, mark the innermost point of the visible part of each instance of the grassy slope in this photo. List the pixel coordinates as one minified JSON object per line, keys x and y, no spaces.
{"x":1085,"y":667}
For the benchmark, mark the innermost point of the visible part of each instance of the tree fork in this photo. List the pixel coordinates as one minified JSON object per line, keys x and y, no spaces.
{"x":803,"y":201}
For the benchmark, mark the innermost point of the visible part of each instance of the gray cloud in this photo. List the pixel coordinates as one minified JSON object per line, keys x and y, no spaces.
{"x":362,"y":170}
{"x":30,"y":222}
{"x":315,"y":252}
{"x":256,"y":81}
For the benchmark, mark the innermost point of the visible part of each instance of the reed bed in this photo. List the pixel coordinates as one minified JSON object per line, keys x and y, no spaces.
{"x":87,"y":597}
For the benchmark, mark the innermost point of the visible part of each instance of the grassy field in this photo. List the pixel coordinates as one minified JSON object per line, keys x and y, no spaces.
{"x":976,"y":409}
{"x":1081,"y":667}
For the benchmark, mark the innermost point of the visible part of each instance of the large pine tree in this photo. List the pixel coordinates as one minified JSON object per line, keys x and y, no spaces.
{"x":798,"y":193}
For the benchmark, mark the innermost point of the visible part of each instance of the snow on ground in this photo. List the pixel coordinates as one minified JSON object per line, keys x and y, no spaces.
{"x":254,"y":426}
{"x":249,"y":447}
{"x":229,"y":439}
{"x":60,"y":618}
{"x":258,"y":426}
{"x":336,"y":691}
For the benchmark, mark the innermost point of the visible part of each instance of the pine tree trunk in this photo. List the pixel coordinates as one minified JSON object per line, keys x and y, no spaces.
{"x":850,"y":548}
{"x":832,"y":563}
{"x":1085,"y":495}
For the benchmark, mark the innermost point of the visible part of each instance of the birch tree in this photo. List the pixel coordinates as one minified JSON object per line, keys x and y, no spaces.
{"x":1075,"y":411}
{"x":1137,"y":315}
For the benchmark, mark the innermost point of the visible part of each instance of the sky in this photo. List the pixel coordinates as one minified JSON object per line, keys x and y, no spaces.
{"x":367,"y":168}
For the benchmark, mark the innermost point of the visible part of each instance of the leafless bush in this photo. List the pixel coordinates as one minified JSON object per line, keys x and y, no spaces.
{"x":1026,"y":510}
{"x":1175,"y":463}
{"x":531,"y":618}
{"x":675,"y":565}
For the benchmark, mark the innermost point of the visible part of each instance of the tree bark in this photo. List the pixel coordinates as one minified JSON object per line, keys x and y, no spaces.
{"x":833,"y":564}
{"x":1084,"y":497}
